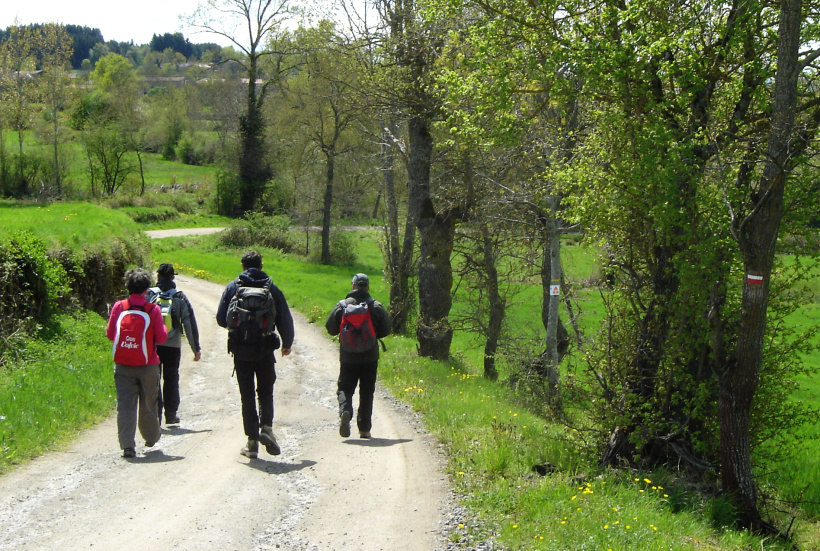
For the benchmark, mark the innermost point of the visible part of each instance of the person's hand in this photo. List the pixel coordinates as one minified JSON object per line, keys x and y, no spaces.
{"x":285,"y":351}
{"x":197,"y":356}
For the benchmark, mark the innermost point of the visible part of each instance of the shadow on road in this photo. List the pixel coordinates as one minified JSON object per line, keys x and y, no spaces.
{"x":180,"y":430}
{"x":377,"y":442}
{"x":155,"y":456}
{"x":273,"y":467}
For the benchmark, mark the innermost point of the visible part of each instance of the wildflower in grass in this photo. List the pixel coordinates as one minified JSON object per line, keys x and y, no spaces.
{"x":647,"y":481}
{"x":515,"y":526}
{"x":606,"y":526}
{"x":628,"y":527}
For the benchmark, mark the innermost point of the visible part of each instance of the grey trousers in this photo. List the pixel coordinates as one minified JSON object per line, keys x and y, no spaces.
{"x":137,"y":387}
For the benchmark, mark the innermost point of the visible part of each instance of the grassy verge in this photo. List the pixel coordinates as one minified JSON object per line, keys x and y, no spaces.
{"x":61,"y":384}
{"x":496,"y":448}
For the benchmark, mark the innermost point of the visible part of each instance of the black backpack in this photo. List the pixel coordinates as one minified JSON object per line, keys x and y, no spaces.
{"x":251,"y":320}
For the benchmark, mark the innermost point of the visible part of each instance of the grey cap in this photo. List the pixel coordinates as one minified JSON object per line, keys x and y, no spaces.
{"x":360,"y":280}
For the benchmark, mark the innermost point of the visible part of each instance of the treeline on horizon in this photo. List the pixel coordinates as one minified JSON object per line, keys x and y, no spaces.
{"x":89,"y":44}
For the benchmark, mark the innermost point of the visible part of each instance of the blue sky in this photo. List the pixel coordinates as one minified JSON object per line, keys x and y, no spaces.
{"x":118,"y":20}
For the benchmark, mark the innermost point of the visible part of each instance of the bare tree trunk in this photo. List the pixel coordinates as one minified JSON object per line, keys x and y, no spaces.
{"x":433,"y":330}
{"x":757,"y":235}
{"x":497,"y":305}
{"x":326,"y":209}
{"x":399,"y":254}
{"x":552,"y":239}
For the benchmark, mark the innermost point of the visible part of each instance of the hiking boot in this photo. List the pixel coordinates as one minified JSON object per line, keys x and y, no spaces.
{"x":364,"y":433}
{"x":269,"y":441}
{"x":251,"y":450}
{"x":344,"y":424}
{"x":171,"y":418}
{"x":129,"y":453}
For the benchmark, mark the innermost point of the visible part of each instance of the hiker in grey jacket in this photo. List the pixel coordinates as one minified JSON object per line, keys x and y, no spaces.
{"x":358,"y":367}
{"x":183,"y":322}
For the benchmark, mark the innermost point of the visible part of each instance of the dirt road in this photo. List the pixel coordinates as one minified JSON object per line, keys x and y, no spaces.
{"x":194,"y":491}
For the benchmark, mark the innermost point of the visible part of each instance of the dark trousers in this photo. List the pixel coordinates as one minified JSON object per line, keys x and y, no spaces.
{"x":255,"y":379}
{"x":363,"y":375}
{"x":169,"y":358}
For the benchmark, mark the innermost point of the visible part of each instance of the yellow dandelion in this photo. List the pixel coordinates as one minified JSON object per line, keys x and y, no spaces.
{"x":647,"y":481}
{"x":606,"y":526}
{"x":515,"y":526}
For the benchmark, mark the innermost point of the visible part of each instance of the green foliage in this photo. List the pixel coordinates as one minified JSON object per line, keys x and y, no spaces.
{"x":32,"y":285}
{"x":59,"y":384}
{"x":228,"y":191}
{"x":259,"y":230}
{"x":342,"y":248}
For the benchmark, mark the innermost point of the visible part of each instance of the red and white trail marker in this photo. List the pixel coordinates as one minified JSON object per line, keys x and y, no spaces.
{"x":754,"y":279}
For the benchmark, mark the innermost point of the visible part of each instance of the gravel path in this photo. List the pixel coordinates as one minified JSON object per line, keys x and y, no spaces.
{"x":194,"y":491}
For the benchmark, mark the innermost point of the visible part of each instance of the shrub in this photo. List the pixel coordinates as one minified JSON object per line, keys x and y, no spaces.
{"x":259,"y":230}
{"x":342,"y":249}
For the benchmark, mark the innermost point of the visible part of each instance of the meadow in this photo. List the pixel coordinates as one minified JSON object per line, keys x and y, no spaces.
{"x":528,"y":482}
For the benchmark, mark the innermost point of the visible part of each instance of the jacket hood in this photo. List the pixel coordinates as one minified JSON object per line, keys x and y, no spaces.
{"x":359,"y":294}
{"x":253,"y":277}
{"x":166,"y":284}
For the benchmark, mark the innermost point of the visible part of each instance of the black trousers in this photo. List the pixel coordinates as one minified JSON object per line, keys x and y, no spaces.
{"x":363,"y":375}
{"x":168,"y":397}
{"x":255,"y":380}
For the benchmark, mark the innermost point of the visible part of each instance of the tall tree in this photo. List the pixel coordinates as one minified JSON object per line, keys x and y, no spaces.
{"x":323,"y":106}
{"x":55,"y":52}
{"x":252,"y":26}
{"x":19,"y":90}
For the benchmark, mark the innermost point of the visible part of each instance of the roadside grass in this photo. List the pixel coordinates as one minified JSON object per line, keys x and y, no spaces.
{"x":495,"y":446}
{"x":61,"y":385}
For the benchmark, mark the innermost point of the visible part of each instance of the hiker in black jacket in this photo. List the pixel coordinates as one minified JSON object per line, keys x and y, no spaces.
{"x":183,"y":323}
{"x":257,"y":361}
{"x":358,"y":366}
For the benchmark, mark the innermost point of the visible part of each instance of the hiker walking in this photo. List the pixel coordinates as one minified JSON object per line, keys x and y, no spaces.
{"x":359,"y":321}
{"x":252,"y":308}
{"x":135,"y":327}
{"x":178,"y":316}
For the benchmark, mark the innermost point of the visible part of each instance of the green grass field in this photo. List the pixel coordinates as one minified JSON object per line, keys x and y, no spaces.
{"x":492,"y":442}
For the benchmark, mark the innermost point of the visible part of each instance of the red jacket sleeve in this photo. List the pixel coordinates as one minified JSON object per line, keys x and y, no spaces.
{"x":111,"y":330}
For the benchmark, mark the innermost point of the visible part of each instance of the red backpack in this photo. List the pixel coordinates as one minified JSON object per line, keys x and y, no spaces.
{"x":131,"y":340}
{"x":356,"y":331}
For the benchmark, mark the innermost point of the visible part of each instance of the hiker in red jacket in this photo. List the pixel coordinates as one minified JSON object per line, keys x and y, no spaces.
{"x":136,"y":327}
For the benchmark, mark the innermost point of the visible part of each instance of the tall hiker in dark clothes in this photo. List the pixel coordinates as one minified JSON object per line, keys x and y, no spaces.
{"x":181,"y":321}
{"x":358,"y":329}
{"x":252,"y":349}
